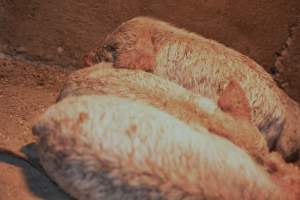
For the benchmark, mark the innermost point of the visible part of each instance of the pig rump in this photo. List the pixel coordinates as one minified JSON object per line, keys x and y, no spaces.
{"x":105,"y":147}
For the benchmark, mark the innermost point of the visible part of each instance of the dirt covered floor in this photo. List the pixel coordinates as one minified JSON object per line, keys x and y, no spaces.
{"x":26,"y":90}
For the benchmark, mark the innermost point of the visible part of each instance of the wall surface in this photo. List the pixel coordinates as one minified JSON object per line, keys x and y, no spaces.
{"x":61,"y":31}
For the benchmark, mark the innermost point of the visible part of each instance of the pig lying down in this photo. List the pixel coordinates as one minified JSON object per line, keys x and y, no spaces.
{"x":195,"y":110}
{"x":205,"y":67}
{"x":105,"y":147}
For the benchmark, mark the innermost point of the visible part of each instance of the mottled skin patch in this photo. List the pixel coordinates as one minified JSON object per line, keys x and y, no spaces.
{"x":131,"y":130}
{"x":275,"y":127}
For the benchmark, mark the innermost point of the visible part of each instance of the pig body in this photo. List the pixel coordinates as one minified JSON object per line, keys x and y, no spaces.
{"x":105,"y":147}
{"x":194,"y":110}
{"x":205,"y":67}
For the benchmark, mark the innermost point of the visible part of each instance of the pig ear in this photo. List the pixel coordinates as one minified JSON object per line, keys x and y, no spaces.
{"x":233,"y":100}
{"x":91,"y":58}
{"x":138,"y":56}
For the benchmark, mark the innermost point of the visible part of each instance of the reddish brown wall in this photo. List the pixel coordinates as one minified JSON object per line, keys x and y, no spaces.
{"x":43,"y":28}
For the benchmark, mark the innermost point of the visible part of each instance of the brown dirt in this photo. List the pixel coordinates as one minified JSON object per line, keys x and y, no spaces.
{"x":26,"y":90}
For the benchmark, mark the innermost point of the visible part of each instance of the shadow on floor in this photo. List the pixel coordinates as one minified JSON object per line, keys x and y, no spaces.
{"x":37,"y":181}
